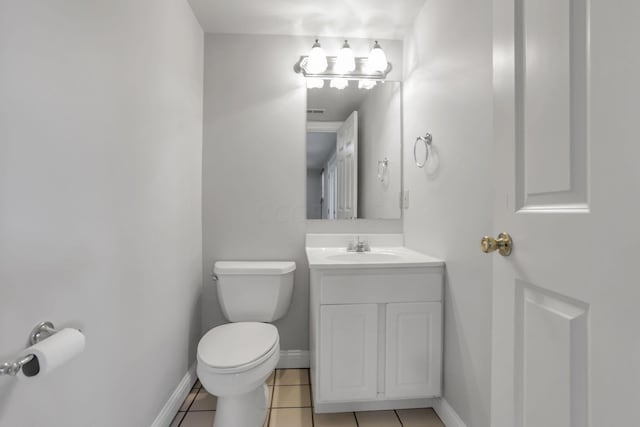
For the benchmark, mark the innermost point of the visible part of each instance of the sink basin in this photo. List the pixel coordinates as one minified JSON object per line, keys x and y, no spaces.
{"x":364,"y":257}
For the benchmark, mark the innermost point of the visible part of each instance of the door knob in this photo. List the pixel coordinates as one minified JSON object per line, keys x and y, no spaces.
{"x":503,"y":244}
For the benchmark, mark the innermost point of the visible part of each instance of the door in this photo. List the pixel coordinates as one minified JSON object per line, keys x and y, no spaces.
{"x":347,"y":159}
{"x":566,"y":349}
{"x":413,"y":350}
{"x":348,"y":367}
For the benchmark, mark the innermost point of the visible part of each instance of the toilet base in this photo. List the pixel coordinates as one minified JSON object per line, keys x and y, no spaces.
{"x":244,"y":410}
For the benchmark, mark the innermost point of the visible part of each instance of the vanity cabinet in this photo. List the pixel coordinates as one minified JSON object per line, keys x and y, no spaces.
{"x":376,"y":337}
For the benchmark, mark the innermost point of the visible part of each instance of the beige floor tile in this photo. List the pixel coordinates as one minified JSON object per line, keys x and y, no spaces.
{"x":378,"y":419}
{"x":198,"y":419}
{"x":292,"y":376}
{"x":197,"y":385}
{"x":291,"y":417}
{"x":176,"y":420}
{"x":345,"y":419}
{"x":291,"y":396}
{"x":271,"y":377}
{"x":188,"y":400}
{"x":419,"y":418}
{"x":266,"y":422}
{"x":204,"y":402}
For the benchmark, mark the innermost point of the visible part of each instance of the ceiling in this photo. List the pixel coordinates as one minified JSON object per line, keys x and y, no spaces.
{"x":384,"y":19}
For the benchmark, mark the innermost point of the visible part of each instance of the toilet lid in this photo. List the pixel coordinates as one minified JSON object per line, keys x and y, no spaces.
{"x":236,"y":344}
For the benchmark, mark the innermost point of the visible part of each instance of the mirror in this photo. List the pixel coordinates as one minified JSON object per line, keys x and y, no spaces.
{"x":354,"y":152}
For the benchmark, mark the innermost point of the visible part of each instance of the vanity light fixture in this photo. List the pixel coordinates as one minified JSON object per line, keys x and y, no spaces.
{"x":365,"y":84}
{"x":340,"y":69}
{"x":339,"y":83}
{"x":346,"y":61}
{"x":315,"y":83}
{"x":317,"y":60}
{"x":377,"y":58}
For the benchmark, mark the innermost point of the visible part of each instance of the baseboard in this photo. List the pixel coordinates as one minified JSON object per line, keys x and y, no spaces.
{"x":322,"y":408}
{"x":170,"y":408}
{"x":449,"y":417}
{"x":291,"y":359}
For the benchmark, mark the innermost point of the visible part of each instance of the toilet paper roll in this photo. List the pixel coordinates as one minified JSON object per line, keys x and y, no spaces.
{"x":53,"y":352}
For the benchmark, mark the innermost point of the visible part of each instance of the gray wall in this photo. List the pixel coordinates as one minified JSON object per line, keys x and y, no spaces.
{"x":254,"y":176}
{"x":100,"y":203}
{"x":448,"y":92}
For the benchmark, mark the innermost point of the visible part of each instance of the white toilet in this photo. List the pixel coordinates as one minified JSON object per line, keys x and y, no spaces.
{"x":235,"y":360}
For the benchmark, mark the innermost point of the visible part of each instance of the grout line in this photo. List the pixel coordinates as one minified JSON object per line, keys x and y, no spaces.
{"x":356,"y":417}
{"x":184,"y":415}
{"x":398,"y":416}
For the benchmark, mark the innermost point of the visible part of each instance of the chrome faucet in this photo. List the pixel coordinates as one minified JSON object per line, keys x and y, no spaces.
{"x":358,"y":246}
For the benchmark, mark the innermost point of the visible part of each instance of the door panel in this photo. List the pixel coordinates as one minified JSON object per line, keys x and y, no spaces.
{"x":551,"y":105}
{"x":551,"y":358}
{"x":348,"y":345}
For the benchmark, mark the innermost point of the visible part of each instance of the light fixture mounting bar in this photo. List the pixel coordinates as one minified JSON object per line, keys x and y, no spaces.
{"x":360,"y":73}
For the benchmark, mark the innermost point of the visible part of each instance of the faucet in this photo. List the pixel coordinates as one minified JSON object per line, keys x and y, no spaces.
{"x":358,"y":246}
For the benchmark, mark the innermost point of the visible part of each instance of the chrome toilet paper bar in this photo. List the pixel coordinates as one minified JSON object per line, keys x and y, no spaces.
{"x":41,"y":331}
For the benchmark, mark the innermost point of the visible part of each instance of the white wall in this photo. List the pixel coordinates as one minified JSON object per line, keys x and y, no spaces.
{"x":379,"y":129}
{"x":448,"y":92}
{"x":254,"y":176}
{"x":100,"y":203}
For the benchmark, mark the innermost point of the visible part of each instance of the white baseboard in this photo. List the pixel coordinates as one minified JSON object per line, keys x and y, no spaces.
{"x":170,"y":408}
{"x":449,"y":417}
{"x":291,"y":359}
{"x":322,"y":408}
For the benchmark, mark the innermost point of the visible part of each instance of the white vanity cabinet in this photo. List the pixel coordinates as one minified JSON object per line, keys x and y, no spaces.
{"x":376,"y":337}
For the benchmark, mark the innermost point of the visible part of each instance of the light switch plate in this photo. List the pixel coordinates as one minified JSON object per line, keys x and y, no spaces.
{"x":405,"y":199}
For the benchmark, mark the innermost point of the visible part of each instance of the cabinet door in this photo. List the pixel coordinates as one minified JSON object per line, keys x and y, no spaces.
{"x":413,"y":350}
{"x":348,"y":362}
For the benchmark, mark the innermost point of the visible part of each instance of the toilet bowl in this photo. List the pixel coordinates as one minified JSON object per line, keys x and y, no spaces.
{"x":234,"y":360}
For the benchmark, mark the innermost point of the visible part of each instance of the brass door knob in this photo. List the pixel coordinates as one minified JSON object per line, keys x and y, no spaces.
{"x":503,"y":244}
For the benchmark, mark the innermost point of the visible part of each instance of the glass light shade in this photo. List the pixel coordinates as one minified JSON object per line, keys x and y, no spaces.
{"x":346,"y":61}
{"x":366,"y":84}
{"x":339,"y":83}
{"x":315,"y":83}
{"x":317,"y":60}
{"x":377,"y":59}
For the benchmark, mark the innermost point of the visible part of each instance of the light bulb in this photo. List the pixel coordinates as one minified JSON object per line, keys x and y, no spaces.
{"x":377,"y":59}
{"x":367,"y":84}
{"x":315,"y":83}
{"x":346,"y":61}
{"x":339,"y":83}
{"x":317,"y":60}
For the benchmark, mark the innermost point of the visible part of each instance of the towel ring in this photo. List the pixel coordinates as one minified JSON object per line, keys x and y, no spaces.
{"x":427,"y":139}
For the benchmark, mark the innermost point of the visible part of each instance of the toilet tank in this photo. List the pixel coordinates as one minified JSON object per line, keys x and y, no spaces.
{"x":258,"y":291}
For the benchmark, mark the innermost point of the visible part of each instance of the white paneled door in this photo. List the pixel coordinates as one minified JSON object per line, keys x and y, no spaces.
{"x":566,"y":306}
{"x":347,"y":159}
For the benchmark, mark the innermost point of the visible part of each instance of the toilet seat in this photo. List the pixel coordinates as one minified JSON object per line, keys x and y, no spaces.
{"x":237,"y":347}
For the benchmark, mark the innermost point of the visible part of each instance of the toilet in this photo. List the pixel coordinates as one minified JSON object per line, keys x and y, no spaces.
{"x":235,"y":359}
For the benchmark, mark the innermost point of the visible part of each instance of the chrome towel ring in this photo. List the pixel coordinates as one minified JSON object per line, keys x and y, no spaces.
{"x":427,"y":140}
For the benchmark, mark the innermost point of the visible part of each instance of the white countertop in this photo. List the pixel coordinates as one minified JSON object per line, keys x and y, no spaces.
{"x":378,"y":257}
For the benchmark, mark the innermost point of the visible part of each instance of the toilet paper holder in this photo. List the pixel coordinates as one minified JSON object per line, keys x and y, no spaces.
{"x":40,"y":332}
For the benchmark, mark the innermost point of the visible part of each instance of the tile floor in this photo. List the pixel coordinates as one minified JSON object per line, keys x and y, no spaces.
{"x":291,"y":406}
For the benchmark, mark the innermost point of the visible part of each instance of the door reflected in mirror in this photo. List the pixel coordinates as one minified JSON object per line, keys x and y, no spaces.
{"x":354,"y":151}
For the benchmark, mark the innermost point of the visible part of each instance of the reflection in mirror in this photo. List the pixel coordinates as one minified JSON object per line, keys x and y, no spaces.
{"x":353,"y":152}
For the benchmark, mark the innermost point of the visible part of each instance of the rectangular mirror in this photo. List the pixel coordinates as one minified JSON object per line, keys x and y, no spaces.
{"x":354,"y":152}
